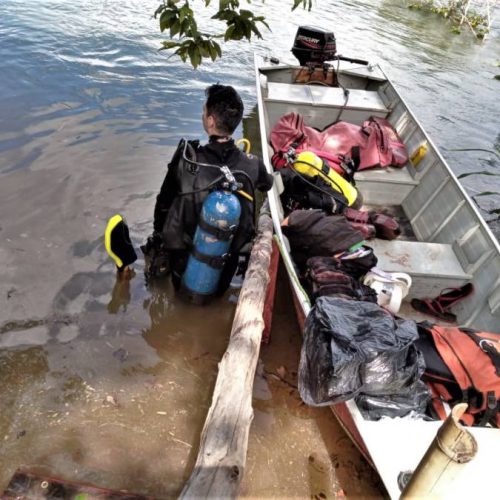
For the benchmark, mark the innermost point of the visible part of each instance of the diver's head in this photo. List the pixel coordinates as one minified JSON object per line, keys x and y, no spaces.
{"x":222,"y":111}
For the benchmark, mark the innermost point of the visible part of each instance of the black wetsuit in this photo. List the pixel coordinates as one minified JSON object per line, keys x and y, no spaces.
{"x":176,"y":215}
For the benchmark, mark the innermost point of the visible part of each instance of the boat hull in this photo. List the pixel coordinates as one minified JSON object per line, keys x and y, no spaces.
{"x":450,"y":245}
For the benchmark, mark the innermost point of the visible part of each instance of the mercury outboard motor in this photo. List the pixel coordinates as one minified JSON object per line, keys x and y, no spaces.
{"x":314,"y":46}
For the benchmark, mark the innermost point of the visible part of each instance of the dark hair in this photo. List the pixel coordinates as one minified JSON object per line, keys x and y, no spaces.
{"x":226,"y":106}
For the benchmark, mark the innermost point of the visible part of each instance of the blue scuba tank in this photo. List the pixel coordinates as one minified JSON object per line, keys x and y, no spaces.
{"x":219,"y":219}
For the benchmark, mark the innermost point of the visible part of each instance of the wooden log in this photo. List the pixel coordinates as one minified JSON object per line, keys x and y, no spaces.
{"x":221,"y":458}
{"x":270,"y":293}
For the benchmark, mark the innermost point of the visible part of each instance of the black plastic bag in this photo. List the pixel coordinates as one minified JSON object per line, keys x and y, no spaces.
{"x":394,"y":373}
{"x":352,"y":347}
{"x":411,"y":403}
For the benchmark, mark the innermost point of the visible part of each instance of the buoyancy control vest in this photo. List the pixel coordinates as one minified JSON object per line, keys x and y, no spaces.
{"x":193,"y":184}
{"x":463,"y":365}
{"x":309,"y":164}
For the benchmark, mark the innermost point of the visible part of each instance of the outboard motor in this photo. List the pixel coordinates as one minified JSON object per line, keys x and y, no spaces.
{"x":313,"y":46}
{"x":219,"y":220}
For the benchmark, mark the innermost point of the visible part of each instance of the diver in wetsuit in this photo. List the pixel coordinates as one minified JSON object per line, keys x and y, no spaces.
{"x":186,"y":185}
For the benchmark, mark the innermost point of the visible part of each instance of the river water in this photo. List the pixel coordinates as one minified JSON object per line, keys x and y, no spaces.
{"x":109,"y":383}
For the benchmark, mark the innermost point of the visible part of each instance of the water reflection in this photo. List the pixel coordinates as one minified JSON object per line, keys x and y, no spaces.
{"x":109,"y":382}
{"x":106,"y":405}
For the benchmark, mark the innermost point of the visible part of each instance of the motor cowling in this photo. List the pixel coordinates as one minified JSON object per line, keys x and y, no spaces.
{"x":313,"y":46}
{"x":219,"y":220}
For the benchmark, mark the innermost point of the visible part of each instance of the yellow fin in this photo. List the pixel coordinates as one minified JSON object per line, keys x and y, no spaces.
{"x":112,"y":223}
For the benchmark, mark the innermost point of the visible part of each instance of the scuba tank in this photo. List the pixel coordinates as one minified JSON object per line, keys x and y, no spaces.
{"x":311,"y":165}
{"x":219,"y":219}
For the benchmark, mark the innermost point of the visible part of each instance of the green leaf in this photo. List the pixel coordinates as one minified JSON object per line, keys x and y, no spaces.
{"x":169,"y":44}
{"x":262,"y":19}
{"x":196,"y":59}
{"x":165,"y":19}
{"x":185,"y":27}
{"x":213,"y":51}
{"x":218,"y":49}
{"x":256,"y":31}
{"x":194,"y":55}
{"x":204,"y":50}
{"x":229,"y":33}
{"x":194,"y":27}
{"x":175,"y":28}
{"x":182,"y":52}
{"x":237,"y":33}
{"x":247,"y":29}
{"x":225,"y":15}
{"x":305,"y":4}
{"x":159,"y":10}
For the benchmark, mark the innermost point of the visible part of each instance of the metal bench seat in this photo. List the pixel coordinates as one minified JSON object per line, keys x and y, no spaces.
{"x":385,"y":186}
{"x":318,"y":105}
{"x":432,"y":266}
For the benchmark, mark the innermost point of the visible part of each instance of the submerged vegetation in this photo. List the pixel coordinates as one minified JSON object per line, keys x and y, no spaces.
{"x":496,"y":153}
{"x":459,"y":13}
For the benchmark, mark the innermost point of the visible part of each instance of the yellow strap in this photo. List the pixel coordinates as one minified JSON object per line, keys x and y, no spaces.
{"x":247,"y":148}
{"x":245,"y":195}
{"x":246,"y":143}
{"x":112,"y":223}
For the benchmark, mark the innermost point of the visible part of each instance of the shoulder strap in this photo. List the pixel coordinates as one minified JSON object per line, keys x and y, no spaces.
{"x":472,"y":366}
{"x":191,"y":148}
{"x":488,"y":343}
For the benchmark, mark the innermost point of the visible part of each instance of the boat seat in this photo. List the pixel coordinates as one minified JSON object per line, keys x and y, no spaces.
{"x":432,"y":266}
{"x":313,"y":102}
{"x":385,"y":186}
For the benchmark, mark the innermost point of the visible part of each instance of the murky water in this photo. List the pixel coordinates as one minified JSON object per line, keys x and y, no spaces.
{"x":109,"y":383}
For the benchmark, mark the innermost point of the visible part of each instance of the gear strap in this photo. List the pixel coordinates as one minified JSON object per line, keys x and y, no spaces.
{"x":492,"y":408}
{"x":487,"y":346}
{"x":215,"y":261}
{"x":219,"y":233}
